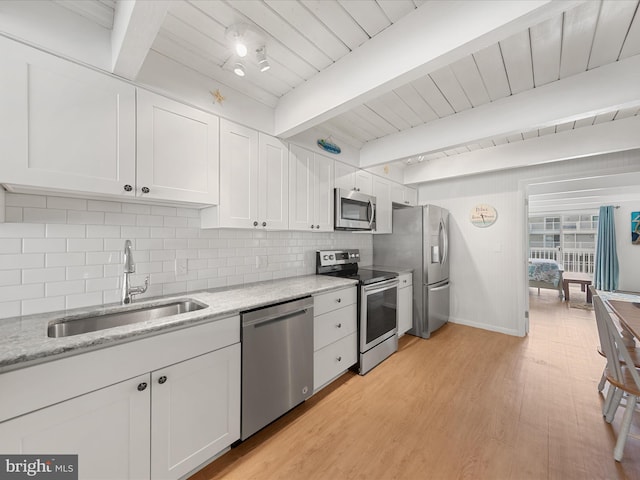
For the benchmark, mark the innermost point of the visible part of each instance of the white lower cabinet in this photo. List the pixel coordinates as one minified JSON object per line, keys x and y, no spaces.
{"x":405,"y":303}
{"x":193,"y":407}
{"x":335,"y":342}
{"x":157,"y":425}
{"x":108,"y":429}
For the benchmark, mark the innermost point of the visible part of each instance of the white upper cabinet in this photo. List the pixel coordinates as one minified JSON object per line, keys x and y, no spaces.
{"x":177,"y":151}
{"x":310,"y":190}
{"x":404,"y":195}
{"x":64,"y":126}
{"x":364,"y":182}
{"x":382,"y":192}
{"x":254,"y":180}
{"x":273,"y":179}
{"x":351,"y":178}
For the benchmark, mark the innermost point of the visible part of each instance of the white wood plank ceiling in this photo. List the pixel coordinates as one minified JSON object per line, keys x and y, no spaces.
{"x":306,"y":37}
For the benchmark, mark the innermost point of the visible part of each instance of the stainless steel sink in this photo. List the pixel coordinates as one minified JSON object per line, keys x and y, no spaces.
{"x":66,"y":327}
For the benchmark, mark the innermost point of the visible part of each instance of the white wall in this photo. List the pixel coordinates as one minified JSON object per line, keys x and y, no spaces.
{"x":64,"y":253}
{"x":488,"y":274}
{"x":628,"y":254}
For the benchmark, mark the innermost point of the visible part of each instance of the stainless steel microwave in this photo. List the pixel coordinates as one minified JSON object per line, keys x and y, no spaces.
{"x":354,"y":210}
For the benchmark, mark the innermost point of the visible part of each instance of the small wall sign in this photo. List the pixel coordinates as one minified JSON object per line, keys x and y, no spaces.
{"x":483,"y":215}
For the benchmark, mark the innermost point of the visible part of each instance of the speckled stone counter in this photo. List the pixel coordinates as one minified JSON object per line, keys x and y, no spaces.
{"x":24,"y":340}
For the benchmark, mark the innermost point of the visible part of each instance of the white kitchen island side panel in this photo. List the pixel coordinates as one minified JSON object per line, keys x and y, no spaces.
{"x":58,"y":252}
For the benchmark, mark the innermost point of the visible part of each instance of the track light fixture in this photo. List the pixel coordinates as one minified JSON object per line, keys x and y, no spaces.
{"x":261,"y":57}
{"x":238,"y":69}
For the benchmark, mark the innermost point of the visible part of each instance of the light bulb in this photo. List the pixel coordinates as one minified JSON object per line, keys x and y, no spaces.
{"x":241,"y":49}
{"x":238,"y":69}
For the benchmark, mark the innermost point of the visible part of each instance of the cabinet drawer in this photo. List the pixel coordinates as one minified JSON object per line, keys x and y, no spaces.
{"x":334,"y":325}
{"x":326,"y":302}
{"x":405,"y":280}
{"x":334,"y":359}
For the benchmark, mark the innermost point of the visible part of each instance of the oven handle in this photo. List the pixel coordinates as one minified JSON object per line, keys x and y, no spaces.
{"x":380,"y":286}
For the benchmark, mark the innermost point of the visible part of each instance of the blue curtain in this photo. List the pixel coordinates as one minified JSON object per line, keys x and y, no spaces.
{"x":606,"y":273}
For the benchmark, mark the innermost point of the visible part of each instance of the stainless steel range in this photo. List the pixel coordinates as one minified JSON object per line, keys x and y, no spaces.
{"x":377,"y":304}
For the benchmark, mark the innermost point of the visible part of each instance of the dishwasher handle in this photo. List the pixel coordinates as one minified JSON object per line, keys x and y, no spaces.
{"x":280,"y":311}
{"x":276,"y":317}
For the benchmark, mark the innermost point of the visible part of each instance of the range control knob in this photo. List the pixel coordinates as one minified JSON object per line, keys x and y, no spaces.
{"x":330,"y":257}
{"x":325,"y":257}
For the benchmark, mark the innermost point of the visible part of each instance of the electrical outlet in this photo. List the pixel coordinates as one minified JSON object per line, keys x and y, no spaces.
{"x":181,"y":266}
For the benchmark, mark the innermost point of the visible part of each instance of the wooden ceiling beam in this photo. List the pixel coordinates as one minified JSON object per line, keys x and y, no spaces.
{"x":432,"y":36}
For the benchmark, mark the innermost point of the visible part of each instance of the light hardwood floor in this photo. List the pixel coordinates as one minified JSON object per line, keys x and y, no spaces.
{"x":466,"y":403}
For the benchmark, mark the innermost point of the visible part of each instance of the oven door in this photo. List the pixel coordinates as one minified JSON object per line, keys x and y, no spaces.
{"x":378,"y":313}
{"x":354,"y":211}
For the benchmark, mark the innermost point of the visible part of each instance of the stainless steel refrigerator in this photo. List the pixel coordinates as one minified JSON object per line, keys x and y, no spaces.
{"x":420,"y":240}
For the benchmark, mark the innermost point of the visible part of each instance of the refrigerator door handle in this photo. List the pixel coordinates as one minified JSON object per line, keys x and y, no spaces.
{"x":444,"y":241}
{"x":437,"y":289}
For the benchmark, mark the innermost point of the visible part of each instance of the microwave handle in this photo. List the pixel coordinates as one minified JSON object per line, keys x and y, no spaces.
{"x":373,"y":213}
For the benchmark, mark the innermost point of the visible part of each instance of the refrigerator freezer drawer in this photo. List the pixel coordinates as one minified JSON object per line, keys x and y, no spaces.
{"x":437,"y":299}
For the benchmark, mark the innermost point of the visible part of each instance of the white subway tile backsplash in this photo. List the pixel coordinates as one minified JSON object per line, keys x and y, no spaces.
{"x":64,"y":203}
{"x":21,"y":200}
{"x":83,"y":300}
{"x":79,"y":263}
{"x":44,"y":245}
{"x":85,"y":218}
{"x":44,"y":215}
{"x":43,"y":275}
{"x":101,"y":206}
{"x":10,"y":309}
{"x":11,"y":245}
{"x":55,"y":289}
{"x":42,"y":305}
{"x":9,"y":277}
{"x":13,"y":215}
{"x":103,"y":231}
{"x":85,"y":272}
{"x":21,"y":292}
{"x":21,"y":230}
{"x":85,"y":245}
{"x":65,"y":259}
{"x":25,"y":260}
{"x":66,"y":231}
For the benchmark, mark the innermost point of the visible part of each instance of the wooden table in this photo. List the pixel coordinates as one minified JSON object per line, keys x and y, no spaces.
{"x":629,"y":315}
{"x":584,"y":279}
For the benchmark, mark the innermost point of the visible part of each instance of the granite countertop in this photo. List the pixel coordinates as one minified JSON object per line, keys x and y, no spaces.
{"x":24,"y":341}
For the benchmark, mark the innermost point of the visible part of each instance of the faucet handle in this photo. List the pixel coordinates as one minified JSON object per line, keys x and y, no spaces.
{"x":140,"y":289}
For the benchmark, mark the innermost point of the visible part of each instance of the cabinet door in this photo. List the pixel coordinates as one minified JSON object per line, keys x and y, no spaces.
{"x":64,"y":126}
{"x":107,"y":428}
{"x":382,"y":192}
{"x":238,"y":175}
{"x":364,"y":182}
{"x":345,"y":176}
{"x":195,"y":411}
{"x":397,"y":193}
{"x":323,"y":197}
{"x":410,"y":196}
{"x":301,"y":184}
{"x":405,"y":309}
{"x":273,"y":177}
{"x":177,"y":151}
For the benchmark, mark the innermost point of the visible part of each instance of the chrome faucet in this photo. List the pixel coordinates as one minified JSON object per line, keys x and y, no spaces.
{"x":130,"y":267}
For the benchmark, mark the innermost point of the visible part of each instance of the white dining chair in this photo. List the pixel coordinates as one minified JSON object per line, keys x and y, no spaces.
{"x":620,"y":373}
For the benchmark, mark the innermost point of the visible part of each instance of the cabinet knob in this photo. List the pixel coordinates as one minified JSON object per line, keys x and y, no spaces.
{"x":339,"y":300}
{"x":318,"y":227}
{"x":145,"y":189}
{"x":128,"y":188}
{"x":358,"y":189}
{"x":339,"y":359}
{"x":264,"y":224}
{"x":339,"y":325}
{"x":142,"y":386}
{"x":255,"y":224}
{"x":407,"y":202}
{"x":404,"y":281}
{"x":162,"y":379}
{"x":313,"y":226}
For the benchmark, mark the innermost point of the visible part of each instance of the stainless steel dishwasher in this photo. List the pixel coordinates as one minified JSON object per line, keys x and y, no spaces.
{"x":277,"y":362}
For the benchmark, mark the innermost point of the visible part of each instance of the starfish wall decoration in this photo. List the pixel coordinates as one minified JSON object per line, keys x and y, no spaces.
{"x":217,"y":96}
